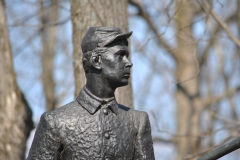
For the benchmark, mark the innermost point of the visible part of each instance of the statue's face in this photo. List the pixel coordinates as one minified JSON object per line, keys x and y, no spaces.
{"x":116,"y":65}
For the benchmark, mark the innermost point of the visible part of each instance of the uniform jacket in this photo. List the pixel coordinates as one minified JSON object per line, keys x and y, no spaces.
{"x":91,"y":128}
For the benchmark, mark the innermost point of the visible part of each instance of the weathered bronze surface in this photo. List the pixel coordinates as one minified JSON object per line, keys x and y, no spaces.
{"x":95,"y":126}
{"x":222,"y":151}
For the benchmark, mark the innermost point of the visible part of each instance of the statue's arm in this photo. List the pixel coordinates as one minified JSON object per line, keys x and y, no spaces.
{"x":144,"y":144}
{"x":46,"y":142}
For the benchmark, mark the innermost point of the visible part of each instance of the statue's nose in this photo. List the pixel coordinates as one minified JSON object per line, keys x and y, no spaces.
{"x":128,"y":64}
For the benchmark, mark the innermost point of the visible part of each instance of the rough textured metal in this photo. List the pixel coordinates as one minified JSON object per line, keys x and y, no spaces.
{"x":96,"y":128}
{"x":102,"y":36}
{"x":80,"y":130}
{"x":222,"y":151}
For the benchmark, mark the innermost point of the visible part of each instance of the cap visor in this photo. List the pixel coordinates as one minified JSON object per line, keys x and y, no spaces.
{"x":119,"y":37}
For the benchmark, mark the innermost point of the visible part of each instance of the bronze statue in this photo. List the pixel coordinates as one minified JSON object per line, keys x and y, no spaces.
{"x":95,"y":126}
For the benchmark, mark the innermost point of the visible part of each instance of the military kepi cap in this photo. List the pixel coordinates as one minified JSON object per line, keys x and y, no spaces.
{"x":101,"y":37}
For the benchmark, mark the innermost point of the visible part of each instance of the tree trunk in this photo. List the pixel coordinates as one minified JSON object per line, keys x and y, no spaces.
{"x":15,"y":115}
{"x":105,"y":13}
{"x":48,"y":43}
{"x":188,"y":101}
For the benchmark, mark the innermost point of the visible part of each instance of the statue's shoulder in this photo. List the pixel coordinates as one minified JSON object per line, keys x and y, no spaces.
{"x":139,"y":118}
{"x":65,"y":112}
{"x":135,"y":113}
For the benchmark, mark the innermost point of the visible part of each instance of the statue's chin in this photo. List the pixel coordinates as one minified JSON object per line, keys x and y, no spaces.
{"x":124,"y":83}
{"x":120,"y":83}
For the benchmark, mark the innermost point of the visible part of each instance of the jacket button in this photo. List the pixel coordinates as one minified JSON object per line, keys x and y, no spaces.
{"x":105,"y":111}
{"x":106,"y":135}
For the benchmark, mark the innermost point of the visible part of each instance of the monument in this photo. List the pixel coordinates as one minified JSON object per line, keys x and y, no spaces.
{"x":95,"y":126}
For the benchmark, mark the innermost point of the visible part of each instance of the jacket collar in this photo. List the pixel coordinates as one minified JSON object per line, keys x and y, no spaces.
{"x":92,"y":103}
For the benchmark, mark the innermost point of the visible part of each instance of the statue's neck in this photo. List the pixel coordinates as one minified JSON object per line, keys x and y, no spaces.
{"x":99,"y":87}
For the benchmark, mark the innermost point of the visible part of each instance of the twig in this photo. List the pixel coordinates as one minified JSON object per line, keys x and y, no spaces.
{"x":207,"y":9}
{"x":210,"y":100}
{"x":153,"y":28}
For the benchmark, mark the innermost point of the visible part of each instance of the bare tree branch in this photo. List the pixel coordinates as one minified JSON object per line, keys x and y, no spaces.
{"x":145,"y":16}
{"x":224,"y":119}
{"x":209,"y":100}
{"x":207,"y":9}
{"x":161,"y":140}
{"x":203,"y":58}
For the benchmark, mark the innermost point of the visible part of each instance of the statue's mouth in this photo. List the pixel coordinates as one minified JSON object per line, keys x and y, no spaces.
{"x":127,"y":75}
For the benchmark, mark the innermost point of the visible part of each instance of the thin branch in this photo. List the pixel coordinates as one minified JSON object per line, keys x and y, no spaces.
{"x":224,"y":119}
{"x":161,"y":140}
{"x":46,"y":25}
{"x":209,"y":100}
{"x":29,"y":40}
{"x":203,"y":59}
{"x":153,"y":28}
{"x":208,"y":9}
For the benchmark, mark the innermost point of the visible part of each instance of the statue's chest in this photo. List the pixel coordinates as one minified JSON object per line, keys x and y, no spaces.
{"x":99,"y":135}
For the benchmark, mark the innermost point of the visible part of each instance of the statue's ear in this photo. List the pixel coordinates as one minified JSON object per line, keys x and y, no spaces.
{"x":96,"y":62}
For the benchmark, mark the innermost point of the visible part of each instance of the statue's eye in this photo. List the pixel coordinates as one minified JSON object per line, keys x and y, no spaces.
{"x":121,"y":55}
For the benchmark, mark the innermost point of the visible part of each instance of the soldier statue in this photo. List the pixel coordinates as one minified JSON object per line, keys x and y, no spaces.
{"x":95,"y":126}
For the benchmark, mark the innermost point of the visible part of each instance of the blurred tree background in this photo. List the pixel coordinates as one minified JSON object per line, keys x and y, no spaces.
{"x":186,"y":67}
